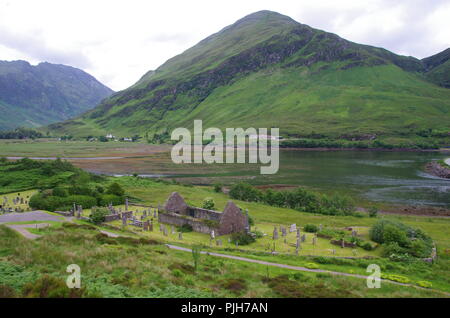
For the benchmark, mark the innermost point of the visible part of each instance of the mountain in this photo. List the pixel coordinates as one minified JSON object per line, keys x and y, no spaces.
{"x":438,"y":68}
{"x":267,"y":70}
{"x":38,"y":95}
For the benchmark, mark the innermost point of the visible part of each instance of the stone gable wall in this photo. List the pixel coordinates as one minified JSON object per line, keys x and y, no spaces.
{"x":232,"y":220}
{"x":175,"y":203}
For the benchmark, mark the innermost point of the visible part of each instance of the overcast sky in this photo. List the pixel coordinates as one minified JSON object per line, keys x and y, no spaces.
{"x":119,"y":41}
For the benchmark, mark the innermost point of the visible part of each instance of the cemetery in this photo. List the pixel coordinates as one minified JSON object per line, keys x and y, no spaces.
{"x":163,"y":213}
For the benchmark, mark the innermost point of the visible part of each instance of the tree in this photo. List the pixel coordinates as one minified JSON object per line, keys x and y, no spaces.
{"x":116,"y":189}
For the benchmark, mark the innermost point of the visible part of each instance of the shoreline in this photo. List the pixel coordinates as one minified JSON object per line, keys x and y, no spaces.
{"x":438,"y":170}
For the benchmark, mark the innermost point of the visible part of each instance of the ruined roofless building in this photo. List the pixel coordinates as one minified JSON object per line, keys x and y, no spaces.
{"x":177,"y":212}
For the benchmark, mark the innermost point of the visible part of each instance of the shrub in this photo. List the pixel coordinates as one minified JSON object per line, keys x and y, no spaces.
{"x":400,"y":241}
{"x":396,"y":278}
{"x":98,"y":215}
{"x":79,"y":190}
{"x":85,"y":201}
{"x":50,"y":287}
{"x":424,"y":284}
{"x":218,"y":187}
{"x":242,"y":238}
{"x":367,"y":246}
{"x":311,"y":228}
{"x":311,"y":265}
{"x":298,"y":199}
{"x":251,"y":221}
{"x":116,"y":189}
{"x":245,"y":192}
{"x":373,"y":212}
{"x":60,"y":192}
{"x":106,"y":199}
{"x":208,"y":204}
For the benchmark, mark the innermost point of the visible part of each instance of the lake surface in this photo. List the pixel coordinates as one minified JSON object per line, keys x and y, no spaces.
{"x":393,"y":177}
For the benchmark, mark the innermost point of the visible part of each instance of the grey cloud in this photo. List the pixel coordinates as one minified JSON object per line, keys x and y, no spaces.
{"x":35,"y":47}
{"x":414,"y":38}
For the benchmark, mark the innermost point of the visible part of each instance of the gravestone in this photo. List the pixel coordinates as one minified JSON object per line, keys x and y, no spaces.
{"x":354,"y":233}
{"x":124,"y":220}
{"x":126,"y":204}
{"x":283,"y":231}
{"x":151,"y":226}
{"x":180,"y":236}
{"x":213,"y":235}
{"x":298,"y":233}
{"x":342,"y":243}
{"x":275,"y":233}
{"x":293,"y":228}
{"x":303,"y":238}
{"x":320,"y":227}
{"x":314,"y":240}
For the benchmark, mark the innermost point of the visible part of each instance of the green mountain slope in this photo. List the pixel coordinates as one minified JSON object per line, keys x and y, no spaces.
{"x":438,"y":68}
{"x":267,"y":70}
{"x":38,"y":95}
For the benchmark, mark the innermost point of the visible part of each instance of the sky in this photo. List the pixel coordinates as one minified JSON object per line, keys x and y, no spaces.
{"x":119,"y":41}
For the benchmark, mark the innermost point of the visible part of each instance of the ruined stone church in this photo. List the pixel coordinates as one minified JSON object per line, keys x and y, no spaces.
{"x":177,"y":212}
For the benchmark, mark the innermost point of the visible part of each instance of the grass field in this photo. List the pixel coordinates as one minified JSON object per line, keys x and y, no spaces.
{"x":113,"y":268}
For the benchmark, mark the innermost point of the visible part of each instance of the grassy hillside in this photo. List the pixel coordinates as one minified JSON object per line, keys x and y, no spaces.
{"x":438,"y":68}
{"x":267,"y":70}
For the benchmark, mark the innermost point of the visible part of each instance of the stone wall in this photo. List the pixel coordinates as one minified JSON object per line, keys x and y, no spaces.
{"x":205,"y":214}
{"x":66,"y":213}
{"x":118,"y":216}
{"x":232,"y":220}
{"x":178,"y":220}
{"x":112,"y":217}
{"x":346,"y":244}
